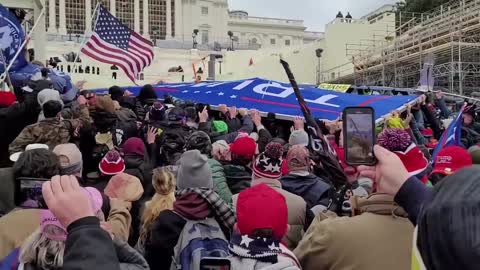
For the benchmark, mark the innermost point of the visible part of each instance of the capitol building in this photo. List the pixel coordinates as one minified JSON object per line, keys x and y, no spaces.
{"x":183,"y":21}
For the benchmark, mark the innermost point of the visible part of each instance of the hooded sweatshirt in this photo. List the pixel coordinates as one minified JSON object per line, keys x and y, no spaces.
{"x":308,"y":186}
{"x":45,"y":96}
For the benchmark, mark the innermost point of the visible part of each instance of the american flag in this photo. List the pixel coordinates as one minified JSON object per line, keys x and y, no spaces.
{"x":114,"y":43}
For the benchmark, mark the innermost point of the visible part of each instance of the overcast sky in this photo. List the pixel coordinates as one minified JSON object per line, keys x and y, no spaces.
{"x":315,"y":13}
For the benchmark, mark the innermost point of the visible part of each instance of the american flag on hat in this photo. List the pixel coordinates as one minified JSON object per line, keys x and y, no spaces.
{"x":114,"y":43}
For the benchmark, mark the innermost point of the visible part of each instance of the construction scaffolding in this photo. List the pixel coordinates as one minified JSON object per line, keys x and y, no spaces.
{"x":451,"y":33}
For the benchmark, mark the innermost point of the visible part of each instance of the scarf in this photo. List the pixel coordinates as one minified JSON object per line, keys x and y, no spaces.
{"x":220,"y":209}
{"x":261,"y":249}
{"x":192,"y":206}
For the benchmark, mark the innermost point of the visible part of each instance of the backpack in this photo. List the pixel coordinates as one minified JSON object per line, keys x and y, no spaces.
{"x":199,"y":239}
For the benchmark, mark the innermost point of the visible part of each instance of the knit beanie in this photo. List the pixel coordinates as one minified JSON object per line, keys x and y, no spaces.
{"x":298,"y":158}
{"x":201,"y":141}
{"x":244,"y":147}
{"x":125,"y":187}
{"x":48,"y":94}
{"x":70,"y":158}
{"x":261,"y":207}
{"x":269,"y":163}
{"x":7,"y":98}
{"x":194,"y":171}
{"x":475,"y":153}
{"x":298,"y":137}
{"x":157,"y":111}
{"x":394,"y":139}
{"x":134,"y":146}
{"x":116,"y":92}
{"x":163,"y":181}
{"x":220,"y":127}
{"x":112,"y":163}
{"x":105,"y":103}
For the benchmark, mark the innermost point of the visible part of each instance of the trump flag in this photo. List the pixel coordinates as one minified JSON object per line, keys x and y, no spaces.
{"x":452,"y":135}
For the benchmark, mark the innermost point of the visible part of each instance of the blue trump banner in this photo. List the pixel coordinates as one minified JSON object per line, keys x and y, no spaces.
{"x":451,"y":136}
{"x":11,"y":39}
{"x":271,"y":96}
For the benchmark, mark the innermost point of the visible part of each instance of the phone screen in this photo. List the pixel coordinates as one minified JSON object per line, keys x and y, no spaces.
{"x":359,"y":135}
{"x":215,"y":264}
{"x":29,"y":193}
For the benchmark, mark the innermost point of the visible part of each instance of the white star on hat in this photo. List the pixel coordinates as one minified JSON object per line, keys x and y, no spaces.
{"x":208,"y":92}
{"x":221,"y":94}
{"x":246,"y":240}
{"x":233,"y":96}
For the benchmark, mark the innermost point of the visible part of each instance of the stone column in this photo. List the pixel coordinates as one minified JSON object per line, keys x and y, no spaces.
{"x":39,"y":34}
{"x":62,"y":27}
{"x":52,"y":17}
{"x":136,"y":16}
{"x":178,"y":20}
{"x":146,"y":28}
{"x":169,"y":20}
{"x":112,"y":7}
{"x":88,"y":16}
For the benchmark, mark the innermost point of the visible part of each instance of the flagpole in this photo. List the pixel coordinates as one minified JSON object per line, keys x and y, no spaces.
{"x":9,"y":81}
{"x":95,"y":16}
{"x":27,"y":38}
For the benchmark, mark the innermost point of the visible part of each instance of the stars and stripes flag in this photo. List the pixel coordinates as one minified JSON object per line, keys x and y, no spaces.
{"x":114,"y":43}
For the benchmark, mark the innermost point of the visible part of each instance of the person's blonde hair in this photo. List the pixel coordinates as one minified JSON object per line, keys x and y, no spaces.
{"x":164,"y":184}
{"x":43,"y":252}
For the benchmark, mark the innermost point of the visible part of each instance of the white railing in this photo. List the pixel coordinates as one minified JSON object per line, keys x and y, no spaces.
{"x":267,"y":20}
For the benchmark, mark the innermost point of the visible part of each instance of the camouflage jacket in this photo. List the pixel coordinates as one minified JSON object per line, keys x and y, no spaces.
{"x":51,"y":131}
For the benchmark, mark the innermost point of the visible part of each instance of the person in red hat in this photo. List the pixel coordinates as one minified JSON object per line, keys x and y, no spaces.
{"x":448,"y":161}
{"x":238,"y":172}
{"x":262,"y":221}
{"x":267,"y":170}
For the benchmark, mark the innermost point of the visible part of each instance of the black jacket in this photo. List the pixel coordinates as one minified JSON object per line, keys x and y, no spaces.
{"x":238,"y":177}
{"x":163,"y":237}
{"x":89,"y":247}
{"x":12,"y":121}
{"x":310,"y":187}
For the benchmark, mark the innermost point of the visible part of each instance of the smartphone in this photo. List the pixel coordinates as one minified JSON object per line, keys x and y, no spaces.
{"x":215,"y":263}
{"x":359,"y":136}
{"x":28,"y":193}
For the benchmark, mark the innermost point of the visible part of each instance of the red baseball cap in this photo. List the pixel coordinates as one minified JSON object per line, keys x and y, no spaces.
{"x":451,"y":159}
{"x":244,"y":146}
{"x":261,"y":207}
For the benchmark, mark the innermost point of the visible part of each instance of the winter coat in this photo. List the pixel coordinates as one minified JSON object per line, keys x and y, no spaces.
{"x":16,"y":227}
{"x":129,"y":258}
{"x":238,"y":177}
{"x":90,"y":247}
{"x":7,"y":190}
{"x":13,"y":120}
{"x":286,"y":261}
{"x":310,"y":187}
{"x":127,"y":122}
{"x":378,"y":236}
{"x":162,"y":239}
{"x":51,"y":131}
{"x":297,"y":211}
{"x":220,"y":185}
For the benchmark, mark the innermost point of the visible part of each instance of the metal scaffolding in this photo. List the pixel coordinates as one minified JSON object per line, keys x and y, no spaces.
{"x":451,"y":33}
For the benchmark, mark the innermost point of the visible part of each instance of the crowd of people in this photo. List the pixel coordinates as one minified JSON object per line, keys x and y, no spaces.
{"x":116,"y":181}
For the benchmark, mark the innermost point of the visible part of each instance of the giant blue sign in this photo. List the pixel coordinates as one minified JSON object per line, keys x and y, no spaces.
{"x":271,"y":96}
